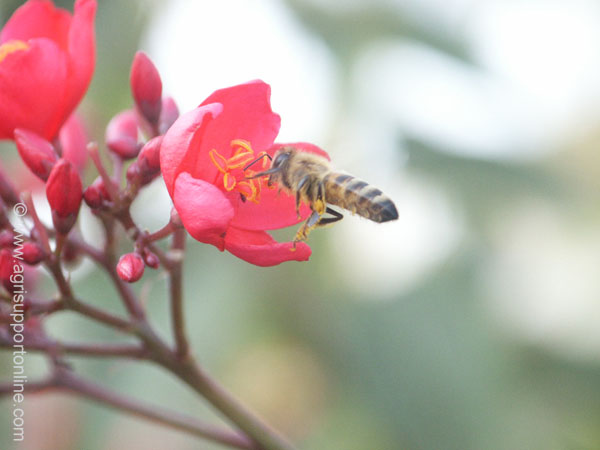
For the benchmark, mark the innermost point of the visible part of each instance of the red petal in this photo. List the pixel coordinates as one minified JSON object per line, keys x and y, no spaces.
{"x":259,"y":248}
{"x":272,"y":212}
{"x":38,"y":19}
{"x":82,"y":54}
{"x":181,"y":143}
{"x":203,"y":208}
{"x":32,"y":86}
{"x":303,"y":146}
{"x":246,"y":115}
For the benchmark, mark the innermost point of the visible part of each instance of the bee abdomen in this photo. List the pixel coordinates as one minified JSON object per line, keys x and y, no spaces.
{"x":353,"y":194}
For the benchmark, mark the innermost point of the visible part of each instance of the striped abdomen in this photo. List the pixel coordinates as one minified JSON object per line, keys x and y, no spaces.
{"x":358,"y":196}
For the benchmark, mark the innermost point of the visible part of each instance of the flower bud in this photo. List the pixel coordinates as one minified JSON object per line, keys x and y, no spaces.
{"x":73,"y":138}
{"x":7,"y":239}
{"x":32,"y":253}
{"x":151,"y":259}
{"x":8,"y":264}
{"x":122,"y":134}
{"x":7,"y":191}
{"x":148,"y":162}
{"x":168,"y":115}
{"x":4,"y":222}
{"x":130,"y":267}
{"x":146,"y":87}
{"x":96,"y":194}
{"x":71,"y":255}
{"x":64,"y":192}
{"x":36,"y":152}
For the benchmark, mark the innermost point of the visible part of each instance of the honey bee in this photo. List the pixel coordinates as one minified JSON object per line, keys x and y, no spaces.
{"x":312,"y":180}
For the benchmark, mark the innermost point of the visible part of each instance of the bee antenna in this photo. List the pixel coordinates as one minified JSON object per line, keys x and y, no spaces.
{"x":257,"y":160}
{"x":266,"y":172}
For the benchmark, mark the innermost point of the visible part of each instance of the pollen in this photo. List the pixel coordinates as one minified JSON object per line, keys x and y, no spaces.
{"x":11,"y":47}
{"x":234,"y":176}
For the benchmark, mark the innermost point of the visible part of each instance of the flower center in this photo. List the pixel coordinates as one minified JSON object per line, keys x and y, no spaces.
{"x":10,"y":47}
{"x":233,"y":172}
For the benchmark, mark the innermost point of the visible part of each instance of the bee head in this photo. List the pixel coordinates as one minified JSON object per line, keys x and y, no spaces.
{"x":281,"y":157}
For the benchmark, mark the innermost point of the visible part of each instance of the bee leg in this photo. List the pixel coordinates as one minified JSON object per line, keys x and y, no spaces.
{"x":319,"y":204}
{"x":329,"y":220}
{"x":301,"y":184}
{"x":307,"y":227}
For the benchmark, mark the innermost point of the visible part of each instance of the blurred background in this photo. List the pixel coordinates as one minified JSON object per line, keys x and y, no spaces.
{"x":473,"y":322}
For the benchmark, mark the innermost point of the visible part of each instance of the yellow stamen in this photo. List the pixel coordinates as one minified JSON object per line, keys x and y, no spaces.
{"x":219,"y":161}
{"x":11,"y":47}
{"x":228,"y":181}
{"x":233,"y":177}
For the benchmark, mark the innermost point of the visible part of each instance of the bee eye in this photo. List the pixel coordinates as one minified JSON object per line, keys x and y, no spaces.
{"x":281,"y":158}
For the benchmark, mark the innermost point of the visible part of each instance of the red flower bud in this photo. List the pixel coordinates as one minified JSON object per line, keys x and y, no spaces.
{"x":151,"y":259}
{"x":64,"y":193}
{"x":71,"y":254}
{"x":168,"y":115}
{"x":9,"y":268}
{"x":130,"y":267}
{"x":122,"y":134}
{"x":7,"y":239}
{"x":32,"y":253}
{"x":148,"y":162}
{"x":146,"y":87}
{"x":73,"y":139}
{"x":4,"y":222}
{"x":96,"y":194}
{"x":36,"y":152}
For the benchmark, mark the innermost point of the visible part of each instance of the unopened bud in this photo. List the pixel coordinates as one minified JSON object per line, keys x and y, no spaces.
{"x":73,"y":138}
{"x":7,"y":190}
{"x":4,"y":222}
{"x":151,"y":259}
{"x":168,"y":115}
{"x":11,"y":270}
{"x":7,"y":239}
{"x":148,"y":162}
{"x":146,"y":87}
{"x":122,"y":134}
{"x":64,"y":192}
{"x":96,"y":194}
{"x":130,"y":267}
{"x":36,"y":152}
{"x":32,"y":253}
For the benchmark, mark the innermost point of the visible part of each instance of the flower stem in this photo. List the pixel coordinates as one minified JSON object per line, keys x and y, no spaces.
{"x":176,"y":293}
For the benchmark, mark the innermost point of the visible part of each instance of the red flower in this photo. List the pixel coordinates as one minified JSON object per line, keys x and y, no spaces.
{"x":203,"y":156}
{"x":47,"y":59}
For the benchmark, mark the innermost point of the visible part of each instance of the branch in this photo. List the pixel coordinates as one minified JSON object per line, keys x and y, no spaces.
{"x":94,"y":349}
{"x":66,"y":381}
